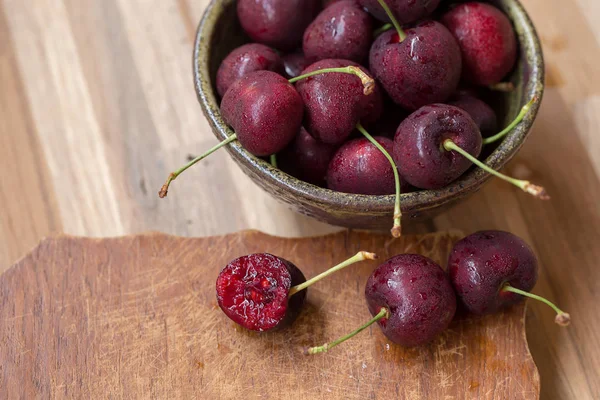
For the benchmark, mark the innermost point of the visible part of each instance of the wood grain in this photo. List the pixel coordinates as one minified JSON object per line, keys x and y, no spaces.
{"x":97,"y":105}
{"x":136,"y":317}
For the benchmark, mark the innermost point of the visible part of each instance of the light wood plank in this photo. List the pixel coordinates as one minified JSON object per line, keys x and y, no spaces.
{"x":64,"y":118}
{"x":28,"y":208}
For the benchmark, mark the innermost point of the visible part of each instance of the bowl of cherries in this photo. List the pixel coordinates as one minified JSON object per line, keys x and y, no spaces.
{"x":367,"y":113}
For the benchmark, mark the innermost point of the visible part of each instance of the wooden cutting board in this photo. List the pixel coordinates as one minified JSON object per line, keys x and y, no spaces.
{"x":136,"y":317}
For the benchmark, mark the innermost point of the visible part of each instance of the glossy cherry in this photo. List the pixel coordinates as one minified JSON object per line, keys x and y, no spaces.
{"x":487,"y":41}
{"x":261,"y":291}
{"x":418,"y":145}
{"x":306,"y":158}
{"x":417,"y":67}
{"x":406,"y":11}
{"x":334,"y":103}
{"x":277,"y":23}
{"x":410,"y":297}
{"x":483,"y":115}
{"x":245,"y":59}
{"x":361,"y":168}
{"x":486,"y":268}
{"x":418,"y":295}
{"x":264,"y":110}
{"x":342,"y":30}
{"x":437,"y":143}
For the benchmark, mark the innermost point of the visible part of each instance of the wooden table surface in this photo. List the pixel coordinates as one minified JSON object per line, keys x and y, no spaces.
{"x":97,"y":105}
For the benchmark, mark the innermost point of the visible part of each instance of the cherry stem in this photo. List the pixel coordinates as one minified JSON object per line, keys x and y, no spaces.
{"x":360,"y":256}
{"x":273,"y":160}
{"x":397,"y":227}
{"x":382,"y":29}
{"x":562,"y":318}
{"x":165,"y":188}
{"x":512,"y":125}
{"x":367,"y":81}
{"x":390,"y":15}
{"x":526,"y":186}
{"x":505,"y":87}
{"x":383,"y":313}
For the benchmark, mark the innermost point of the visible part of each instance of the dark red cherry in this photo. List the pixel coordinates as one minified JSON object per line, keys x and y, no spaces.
{"x":342,"y":30}
{"x":245,"y":59}
{"x":423,"y":68}
{"x":418,"y":296}
{"x":306,"y":158}
{"x":361,"y":168}
{"x":253,"y":291}
{"x":487,"y":268}
{"x":264,"y":110}
{"x":277,"y":23}
{"x":483,"y":115}
{"x":405,"y":11}
{"x":335,"y":102}
{"x":482,"y":263}
{"x":418,"y":145}
{"x":487,"y":41}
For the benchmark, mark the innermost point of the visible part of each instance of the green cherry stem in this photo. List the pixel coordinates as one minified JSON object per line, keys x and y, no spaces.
{"x":367,"y":81}
{"x":382,"y":29}
{"x":273,"y":160}
{"x":383,"y":313}
{"x":526,"y":186}
{"x":358,"y":257}
{"x":390,"y":15}
{"x":165,"y":188}
{"x":512,"y":125}
{"x":562,"y":318}
{"x":397,"y":227}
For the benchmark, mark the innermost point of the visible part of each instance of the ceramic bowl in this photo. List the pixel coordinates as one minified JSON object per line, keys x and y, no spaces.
{"x":219,"y":32}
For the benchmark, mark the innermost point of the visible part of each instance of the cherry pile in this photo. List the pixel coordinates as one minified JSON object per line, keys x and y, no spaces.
{"x":321,"y":78}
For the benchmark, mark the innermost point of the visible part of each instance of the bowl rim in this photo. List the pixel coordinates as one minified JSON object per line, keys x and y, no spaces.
{"x":472,"y":180}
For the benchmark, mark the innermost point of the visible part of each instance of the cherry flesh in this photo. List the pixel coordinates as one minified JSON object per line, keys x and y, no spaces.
{"x":342,"y":30}
{"x":277,"y":23}
{"x":483,"y":115}
{"x":487,"y":41}
{"x":361,"y":168}
{"x":334,"y":103}
{"x":253,"y":291}
{"x":406,"y":11}
{"x":245,"y":59}
{"x":421,"y":69}
{"x":418,"y":296}
{"x":306,"y":158}
{"x":418,"y":145}
{"x":262,"y":291}
{"x":264,"y":110}
{"x":295,"y":63}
